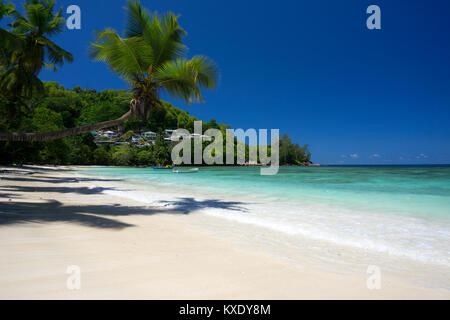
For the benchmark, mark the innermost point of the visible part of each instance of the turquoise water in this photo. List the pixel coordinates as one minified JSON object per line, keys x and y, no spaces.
{"x":391,"y":215}
{"x":422,"y":192}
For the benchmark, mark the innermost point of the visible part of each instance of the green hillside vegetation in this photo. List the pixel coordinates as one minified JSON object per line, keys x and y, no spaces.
{"x":58,"y":108}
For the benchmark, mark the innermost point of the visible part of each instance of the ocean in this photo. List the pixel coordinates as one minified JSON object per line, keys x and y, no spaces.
{"x":338,"y":218}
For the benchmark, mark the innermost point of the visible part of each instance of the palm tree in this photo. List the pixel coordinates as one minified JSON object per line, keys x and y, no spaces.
{"x":26,"y":49}
{"x":150,"y":57}
{"x":5,"y":10}
{"x":5,"y":37}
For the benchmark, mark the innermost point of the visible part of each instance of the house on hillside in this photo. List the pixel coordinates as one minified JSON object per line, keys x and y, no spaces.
{"x":172,"y":136}
{"x":149,"y":135}
{"x":110,"y":134}
{"x":169,"y":132}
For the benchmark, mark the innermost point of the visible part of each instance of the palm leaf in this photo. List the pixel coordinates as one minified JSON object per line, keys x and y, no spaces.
{"x":206,"y":70}
{"x":55,"y":54}
{"x":50,"y":67}
{"x":162,"y":33}
{"x":20,"y":24}
{"x":55,"y":25}
{"x":184,"y":79}
{"x":130,"y":58}
{"x":5,"y":9}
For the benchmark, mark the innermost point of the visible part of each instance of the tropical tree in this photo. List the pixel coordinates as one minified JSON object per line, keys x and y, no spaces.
{"x":5,"y":10}
{"x":26,"y":48}
{"x":5,"y":37}
{"x":151,"y":58}
{"x":161,"y":150}
{"x":292,"y":153}
{"x":123,"y":156}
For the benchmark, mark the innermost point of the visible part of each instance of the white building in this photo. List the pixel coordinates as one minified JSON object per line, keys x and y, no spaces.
{"x":169,"y":132}
{"x":136,"y":139}
{"x":148,"y":143}
{"x":149,"y":135}
{"x":110,"y":134}
{"x":181,"y":136}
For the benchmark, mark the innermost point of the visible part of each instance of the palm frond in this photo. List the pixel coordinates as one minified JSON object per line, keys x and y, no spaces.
{"x":9,"y":41}
{"x":37,"y":15}
{"x":184,"y":79}
{"x":138,"y":19}
{"x":18,"y":83}
{"x":50,"y":67}
{"x":55,"y":25}
{"x":55,"y":54}
{"x":170,"y":45}
{"x":206,"y":70}
{"x":6,"y":9}
{"x":20,"y":25}
{"x":162,"y":33}
{"x":130,"y":58}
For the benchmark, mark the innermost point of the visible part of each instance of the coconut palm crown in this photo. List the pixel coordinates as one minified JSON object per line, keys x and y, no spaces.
{"x":151,"y":58}
{"x":26,"y":48}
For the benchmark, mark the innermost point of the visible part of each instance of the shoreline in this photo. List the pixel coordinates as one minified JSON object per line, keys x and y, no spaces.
{"x":125,"y":249}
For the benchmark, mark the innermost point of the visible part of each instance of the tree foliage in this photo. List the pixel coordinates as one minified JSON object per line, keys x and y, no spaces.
{"x":292,"y":153}
{"x":60,"y":108}
{"x":150,"y":56}
{"x":26,"y":47}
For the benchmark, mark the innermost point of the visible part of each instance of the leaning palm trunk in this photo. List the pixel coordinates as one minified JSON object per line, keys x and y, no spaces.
{"x":47,"y":136}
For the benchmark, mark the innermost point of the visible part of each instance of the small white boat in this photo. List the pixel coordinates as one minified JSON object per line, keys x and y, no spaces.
{"x":192,"y":170}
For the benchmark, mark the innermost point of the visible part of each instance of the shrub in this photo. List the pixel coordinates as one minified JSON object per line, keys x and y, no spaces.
{"x":145,"y":157}
{"x":123,"y":156}
{"x":102,"y":156}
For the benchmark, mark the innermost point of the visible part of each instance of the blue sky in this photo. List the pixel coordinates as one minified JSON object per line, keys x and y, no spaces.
{"x":310,"y":68}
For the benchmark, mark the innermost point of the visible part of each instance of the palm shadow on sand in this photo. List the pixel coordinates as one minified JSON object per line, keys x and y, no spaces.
{"x":188,"y":205}
{"x":13,"y":211}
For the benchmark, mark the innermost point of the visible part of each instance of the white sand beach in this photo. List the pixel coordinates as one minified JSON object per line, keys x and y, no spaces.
{"x":53,"y":219}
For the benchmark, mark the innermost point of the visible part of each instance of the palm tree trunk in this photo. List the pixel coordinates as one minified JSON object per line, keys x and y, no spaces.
{"x":47,"y":136}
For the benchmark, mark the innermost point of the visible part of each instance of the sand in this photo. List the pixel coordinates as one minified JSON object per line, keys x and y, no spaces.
{"x":52,"y":219}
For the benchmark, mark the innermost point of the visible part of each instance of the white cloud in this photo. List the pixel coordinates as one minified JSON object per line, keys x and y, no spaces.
{"x":376,"y":155}
{"x":343,"y":156}
{"x":422,"y":156}
{"x":354,"y":156}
